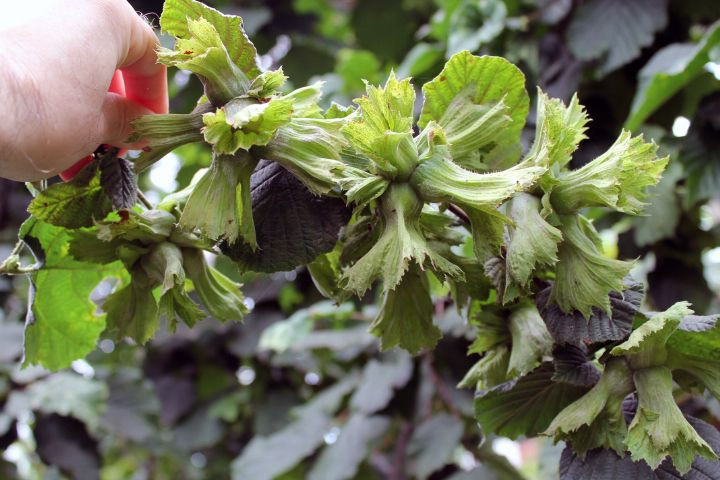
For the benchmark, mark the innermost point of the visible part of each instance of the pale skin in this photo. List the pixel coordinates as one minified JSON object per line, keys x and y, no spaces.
{"x":57,"y":58}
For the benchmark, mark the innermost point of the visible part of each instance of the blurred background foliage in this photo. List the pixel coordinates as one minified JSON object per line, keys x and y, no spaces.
{"x":301,"y":389}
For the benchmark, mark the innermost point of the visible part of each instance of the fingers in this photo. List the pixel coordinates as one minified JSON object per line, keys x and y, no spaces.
{"x":116,"y":114}
{"x":145,"y":79}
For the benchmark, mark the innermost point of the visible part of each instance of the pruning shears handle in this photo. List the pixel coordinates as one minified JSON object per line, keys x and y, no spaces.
{"x":117,"y":85}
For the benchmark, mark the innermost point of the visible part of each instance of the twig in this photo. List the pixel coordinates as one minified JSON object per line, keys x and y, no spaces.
{"x":459,"y":213}
{"x":11,"y":265}
{"x":398,"y":463}
{"x":440,"y":385}
{"x":18,"y":247}
{"x":20,"y":270}
{"x":144,"y":200}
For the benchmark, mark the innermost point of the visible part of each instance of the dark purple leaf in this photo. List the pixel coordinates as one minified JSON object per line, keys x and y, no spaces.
{"x":602,"y":464}
{"x":574,"y":328}
{"x":65,"y":443}
{"x":525,"y":405}
{"x":118,"y":181}
{"x":699,"y":323}
{"x":293,"y":226}
{"x":573,"y":366}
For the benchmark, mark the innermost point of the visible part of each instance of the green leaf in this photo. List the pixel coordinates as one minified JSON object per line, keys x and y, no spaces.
{"x":559,"y":131}
{"x":525,"y":405}
{"x":491,"y":331}
{"x":342,"y":459}
{"x":439,"y":179}
{"x":267,"y":83}
{"x":85,"y":246}
{"x":701,"y":370}
{"x":74,"y":204}
{"x":175,"y":202}
{"x":693,"y":350}
{"x":614,"y":31}
{"x":357,"y":238}
{"x":596,"y":419}
{"x":132,"y":311}
{"x":175,"y":21}
{"x":584,"y":276}
{"x":406,"y":316}
{"x":163,"y":265}
{"x":698,"y":337}
{"x":659,"y":428}
{"x":475,"y":283}
{"x":668,"y":71}
{"x":62,"y":323}
{"x":646,"y":345}
{"x":325,"y":271}
{"x":309,"y":148}
{"x":225,"y":191}
{"x":305,"y":103}
{"x":151,"y":226}
{"x":419,"y":60}
{"x":176,"y":303}
{"x":512,"y":347}
{"x":470,"y":128}
{"x":200,"y":49}
{"x":383,"y":110}
{"x":489,"y":371}
{"x":169,"y":130}
{"x":294,"y":225}
{"x":356,"y":67}
{"x":221,"y":296}
{"x":530,"y":340}
{"x":488,"y":231}
{"x":401,"y":242}
{"x":361,"y":187}
{"x":399,"y":150}
{"x":533,"y":241}
{"x":617,"y":179}
{"x":337,"y":111}
{"x":485,"y":81}
{"x":243,"y":123}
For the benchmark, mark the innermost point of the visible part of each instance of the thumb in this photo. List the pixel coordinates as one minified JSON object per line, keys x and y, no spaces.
{"x":113,"y":126}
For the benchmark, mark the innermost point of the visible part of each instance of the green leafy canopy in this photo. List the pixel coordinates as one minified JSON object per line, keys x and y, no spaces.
{"x":429,"y":215}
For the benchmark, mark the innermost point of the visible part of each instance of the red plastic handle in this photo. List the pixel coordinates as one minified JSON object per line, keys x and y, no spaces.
{"x":117,"y":85}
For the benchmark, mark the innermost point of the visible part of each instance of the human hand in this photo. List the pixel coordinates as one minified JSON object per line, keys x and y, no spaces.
{"x":57,"y":60}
